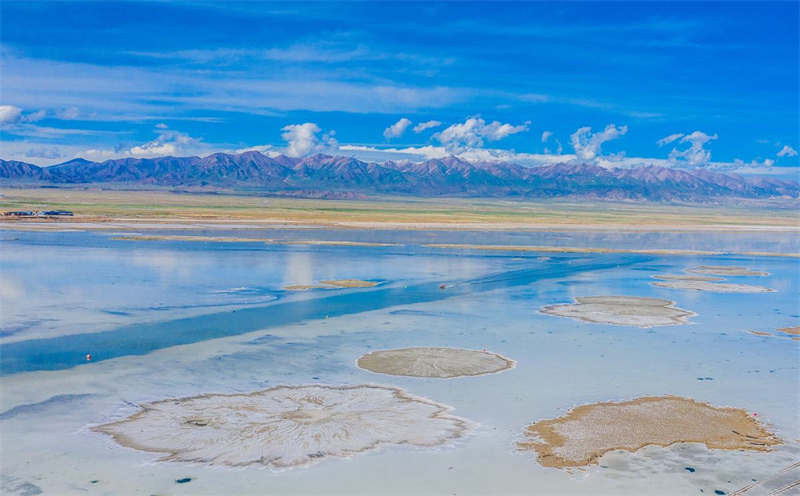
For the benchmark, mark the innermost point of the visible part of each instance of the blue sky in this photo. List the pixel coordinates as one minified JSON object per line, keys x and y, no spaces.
{"x":513,"y":81}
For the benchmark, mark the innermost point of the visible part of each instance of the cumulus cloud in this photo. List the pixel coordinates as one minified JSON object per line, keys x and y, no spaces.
{"x":154,"y":148}
{"x":397,"y":129}
{"x":44,"y":152}
{"x":10,"y":114}
{"x":168,"y":143}
{"x":669,"y":139}
{"x":69,"y":113}
{"x":34,"y":116}
{"x":161,"y":125}
{"x":588,"y":145}
{"x":787,"y":151}
{"x":473,"y":133}
{"x":426,"y":125}
{"x":694,"y":156}
{"x":753,"y":165}
{"x":302,"y":139}
{"x":546,"y":136}
{"x":100,"y":155}
{"x":428,"y":152}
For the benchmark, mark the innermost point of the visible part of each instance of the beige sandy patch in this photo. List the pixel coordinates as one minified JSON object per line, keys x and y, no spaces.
{"x":790,"y":330}
{"x":687,"y":277}
{"x":440,"y":363}
{"x":622,"y":310}
{"x":712,"y":287}
{"x":304,"y":287}
{"x":725,"y":270}
{"x":233,"y":239}
{"x":587,"y":432}
{"x":350,"y":283}
{"x":286,"y":426}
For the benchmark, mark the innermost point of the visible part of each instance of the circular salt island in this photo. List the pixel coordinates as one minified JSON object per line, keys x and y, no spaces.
{"x":287,"y":426}
{"x":436,"y":363}
{"x":622,"y":310}
{"x":587,"y":432}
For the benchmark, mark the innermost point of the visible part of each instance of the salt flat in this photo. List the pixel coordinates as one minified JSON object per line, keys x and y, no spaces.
{"x":171,"y":319}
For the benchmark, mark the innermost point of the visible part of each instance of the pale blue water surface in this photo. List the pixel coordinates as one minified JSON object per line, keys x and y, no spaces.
{"x":175,"y":318}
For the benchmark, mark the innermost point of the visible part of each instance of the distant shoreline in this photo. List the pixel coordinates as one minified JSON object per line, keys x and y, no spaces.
{"x":184,"y":223}
{"x":450,"y":246}
{"x":104,"y":209}
{"x":563,"y":249}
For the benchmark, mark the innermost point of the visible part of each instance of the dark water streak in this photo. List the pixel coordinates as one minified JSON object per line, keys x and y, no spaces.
{"x":65,"y":352}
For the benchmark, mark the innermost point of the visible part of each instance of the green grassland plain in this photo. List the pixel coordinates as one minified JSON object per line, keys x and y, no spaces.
{"x":95,"y":205}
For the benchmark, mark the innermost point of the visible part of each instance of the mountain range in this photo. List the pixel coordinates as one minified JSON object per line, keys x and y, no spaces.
{"x":325,"y":176}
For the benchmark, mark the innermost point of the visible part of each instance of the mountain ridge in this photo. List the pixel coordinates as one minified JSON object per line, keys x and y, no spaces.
{"x":320,"y":175}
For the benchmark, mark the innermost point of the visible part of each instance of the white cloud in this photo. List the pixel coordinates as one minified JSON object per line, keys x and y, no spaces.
{"x":496,"y":132}
{"x":69,"y":114}
{"x":752,"y":168}
{"x":669,"y":139}
{"x":397,"y":129}
{"x":101,"y":155}
{"x":302,"y":139}
{"x":382,"y":154}
{"x":33,"y":131}
{"x":530,"y":159}
{"x":588,"y":146}
{"x":422,"y":126}
{"x":471,"y":154}
{"x":161,"y":125}
{"x":35,"y":116}
{"x":265,"y":149}
{"x":154,"y":148}
{"x":472,"y":133}
{"x":10,"y":114}
{"x":546,"y":136}
{"x":44,"y":152}
{"x":694,"y":156}
{"x":137,"y":93}
{"x":168,"y":143}
{"x":787,"y":151}
{"x":299,"y":53}
{"x":737,"y":165}
{"x":559,"y":148}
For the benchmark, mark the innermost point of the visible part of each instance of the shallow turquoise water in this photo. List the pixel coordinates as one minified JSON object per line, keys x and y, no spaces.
{"x":170,"y":319}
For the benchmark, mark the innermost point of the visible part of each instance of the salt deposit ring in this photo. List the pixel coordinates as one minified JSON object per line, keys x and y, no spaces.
{"x":286,"y":426}
{"x":437,"y":363}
